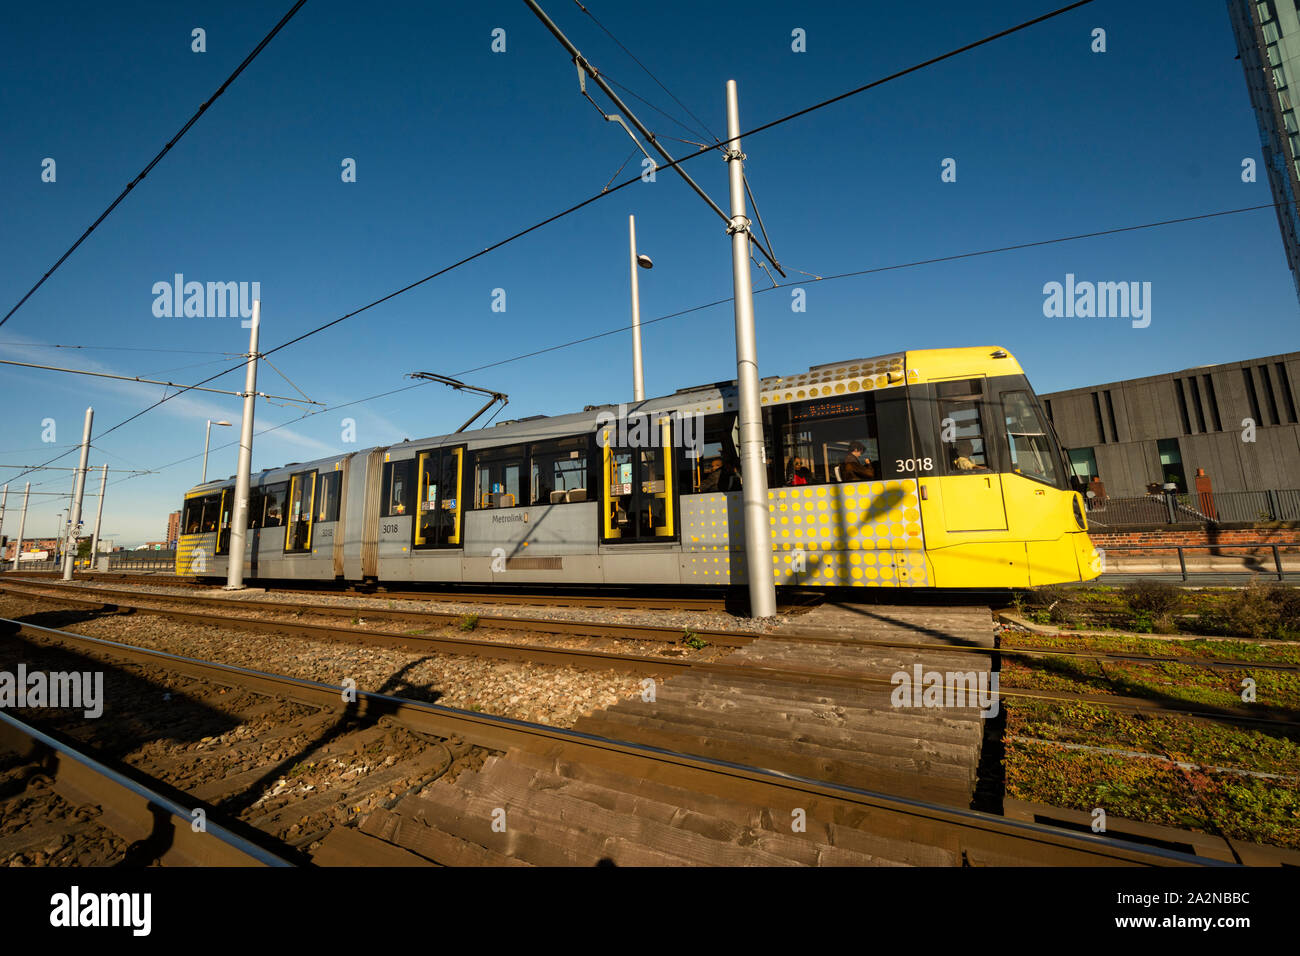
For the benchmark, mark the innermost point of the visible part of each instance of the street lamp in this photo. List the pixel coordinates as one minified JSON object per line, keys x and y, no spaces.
{"x":206,"y":441}
{"x":636,"y":262}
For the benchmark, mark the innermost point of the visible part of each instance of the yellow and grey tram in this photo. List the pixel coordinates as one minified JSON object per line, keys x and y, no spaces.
{"x":931,"y":468}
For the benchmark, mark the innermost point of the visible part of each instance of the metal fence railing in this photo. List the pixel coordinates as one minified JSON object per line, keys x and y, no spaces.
{"x":1209,"y":508}
{"x":1252,"y":566}
{"x":117,"y":561}
{"x":141,"y":560}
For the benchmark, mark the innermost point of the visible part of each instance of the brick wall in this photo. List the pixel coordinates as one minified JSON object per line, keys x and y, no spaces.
{"x":1288,"y":540}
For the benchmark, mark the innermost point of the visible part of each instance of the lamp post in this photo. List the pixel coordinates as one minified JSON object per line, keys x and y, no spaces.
{"x":636,"y":262}
{"x":206,"y":441}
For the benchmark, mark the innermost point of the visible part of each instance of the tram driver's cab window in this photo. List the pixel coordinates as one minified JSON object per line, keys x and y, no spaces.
{"x":827,"y":441}
{"x":961,"y":436}
{"x":1032,"y":452}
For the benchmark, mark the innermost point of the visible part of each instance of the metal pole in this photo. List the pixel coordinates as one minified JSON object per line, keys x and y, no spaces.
{"x":22,"y":524}
{"x":638,"y":376}
{"x":582,"y":64}
{"x":243,"y":477}
{"x":753,"y":471}
{"x":206,"y":441}
{"x":70,"y":553}
{"x":4,"y":500}
{"x":99,"y":517}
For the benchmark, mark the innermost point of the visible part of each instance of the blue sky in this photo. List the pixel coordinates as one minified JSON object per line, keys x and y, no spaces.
{"x":457,"y":147}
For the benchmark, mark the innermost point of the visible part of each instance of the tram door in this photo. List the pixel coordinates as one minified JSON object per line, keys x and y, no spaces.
{"x":438,"y":514}
{"x":302,"y":506}
{"x":638,"y":502}
{"x":223,"y":523}
{"x":972,"y":488}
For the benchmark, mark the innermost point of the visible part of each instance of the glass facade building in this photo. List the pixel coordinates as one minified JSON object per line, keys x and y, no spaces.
{"x":1268,"y":41}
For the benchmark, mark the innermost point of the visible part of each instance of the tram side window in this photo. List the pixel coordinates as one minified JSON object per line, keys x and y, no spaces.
{"x":1031,"y":450}
{"x":718,"y":466}
{"x":256,"y":505}
{"x":275,"y":496}
{"x":828,"y":440}
{"x":497,"y":474}
{"x":559,"y":471}
{"x":193,"y":515}
{"x":327,"y":496}
{"x":398,"y":488}
{"x":962,"y":439}
{"x":211,"y":509}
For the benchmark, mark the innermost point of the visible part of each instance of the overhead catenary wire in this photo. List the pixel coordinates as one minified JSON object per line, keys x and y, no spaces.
{"x":113,"y":348}
{"x":635,"y":95}
{"x":595,"y":198}
{"x":877,"y":269}
{"x":161,"y":153}
{"x":292,"y":421}
{"x":703,"y":125}
{"x":147,"y":381}
{"x":727,"y":299}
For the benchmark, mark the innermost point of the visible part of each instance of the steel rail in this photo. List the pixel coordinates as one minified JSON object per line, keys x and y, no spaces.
{"x":559,"y":599}
{"x":667,"y":665}
{"x":580,"y":657}
{"x":671,"y":634}
{"x":131,"y":808}
{"x":968,"y":833}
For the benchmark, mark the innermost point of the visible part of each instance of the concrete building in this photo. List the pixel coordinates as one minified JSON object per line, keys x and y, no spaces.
{"x":1237,"y":421}
{"x":1268,"y":42}
{"x":173,"y":528}
{"x":30,"y":544}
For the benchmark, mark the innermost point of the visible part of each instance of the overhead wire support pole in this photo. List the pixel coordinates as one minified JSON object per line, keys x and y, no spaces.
{"x":243,"y":476}
{"x":99,"y":518}
{"x":74,"y":519}
{"x":22,"y":525}
{"x":753,"y":468}
{"x":586,"y":67}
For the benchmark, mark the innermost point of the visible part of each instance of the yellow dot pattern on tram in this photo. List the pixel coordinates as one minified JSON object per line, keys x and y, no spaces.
{"x":858,"y":534}
{"x":863,"y":376}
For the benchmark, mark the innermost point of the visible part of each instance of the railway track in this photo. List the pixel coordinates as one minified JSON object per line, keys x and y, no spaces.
{"x":635,"y":663}
{"x":642,"y":632}
{"x":883,"y":667}
{"x":156,"y":827}
{"x":578,"y":796}
{"x":626,"y":599}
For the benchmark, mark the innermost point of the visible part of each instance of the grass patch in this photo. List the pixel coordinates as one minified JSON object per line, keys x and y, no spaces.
{"x":1175,"y":682}
{"x":1245,"y":651}
{"x":693,"y":640}
{"x":1259,"y":611}
{"x":1193,"y":741}
{"x":468,"y":622}
{"x":1246,"y":808}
